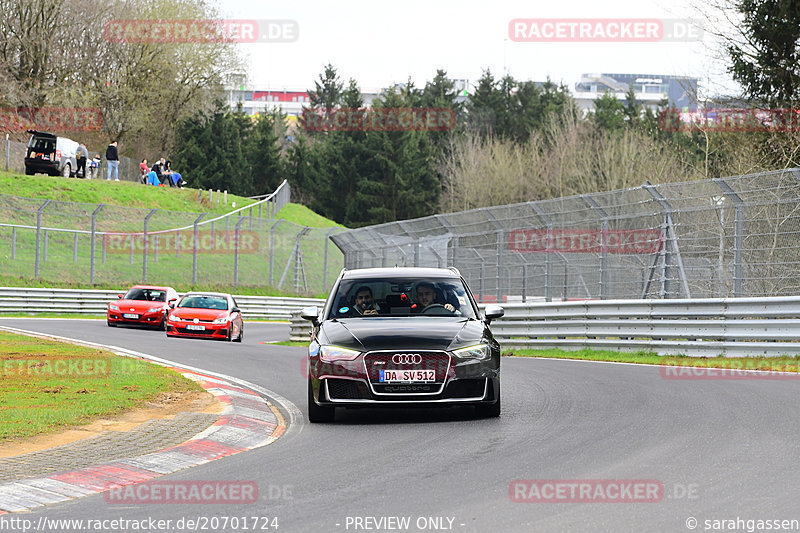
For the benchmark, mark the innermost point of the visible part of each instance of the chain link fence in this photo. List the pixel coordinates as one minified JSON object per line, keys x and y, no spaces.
{"x":13,"y":159}
{"x":97,"y":243}
{"x":728,"y":237}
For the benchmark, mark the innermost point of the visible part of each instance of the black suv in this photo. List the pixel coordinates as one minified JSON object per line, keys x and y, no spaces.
{"x":49,"y":154}
{"x":401,"y":337}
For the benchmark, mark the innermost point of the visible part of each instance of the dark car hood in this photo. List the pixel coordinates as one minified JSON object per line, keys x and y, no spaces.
{"x":423,"y":333}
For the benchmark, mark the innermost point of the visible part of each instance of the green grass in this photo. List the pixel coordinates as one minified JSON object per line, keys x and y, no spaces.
{"x":47,"y":385}
{"x":176,"y":208}
{"x":785,"y":363}
{"x":300,"y":214}
{"x":121,"y":193}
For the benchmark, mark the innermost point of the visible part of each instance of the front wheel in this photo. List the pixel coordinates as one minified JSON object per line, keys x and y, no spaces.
{"x":241,"y":335}
{"x":67,"y":171}
{"x":318,"y":413}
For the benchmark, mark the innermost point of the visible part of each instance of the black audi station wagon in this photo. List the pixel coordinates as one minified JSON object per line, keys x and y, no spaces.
{"x":390,"y":337}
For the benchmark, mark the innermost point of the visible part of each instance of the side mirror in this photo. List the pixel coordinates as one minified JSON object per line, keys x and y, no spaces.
{"x":311,"y":314}
{"x":235,"y":310}
{"x":492,"y":312}
{"x":119,"y":296}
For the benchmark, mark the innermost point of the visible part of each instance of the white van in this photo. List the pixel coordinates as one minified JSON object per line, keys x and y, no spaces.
{"x":49,"y":154}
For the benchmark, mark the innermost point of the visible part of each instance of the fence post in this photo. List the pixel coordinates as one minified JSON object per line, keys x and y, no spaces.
{"x":738,"y":237}
{"x":325,"y":261}
{"x":13,"y":242}
{"x":8,"y":152}
{"x":671,"y":240}
{"x":604,"y":249}
{"x":144,"y":244}
{"x":236,"y":236}
{"x":131,"y":253}
{"x":195,"y":238}
{"x":548,"y":275}
{"x":155,"y":248}
{"x":94,"y":233}
{"x":75,"y":247}
{"x":272,"y":249}
{"x":39,"y":236}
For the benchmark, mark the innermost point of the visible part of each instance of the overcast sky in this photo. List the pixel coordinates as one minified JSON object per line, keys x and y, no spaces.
{"x":380,"y":43}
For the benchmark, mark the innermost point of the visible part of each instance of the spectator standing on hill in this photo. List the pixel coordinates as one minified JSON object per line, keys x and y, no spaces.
{"x":112,"y":156}
{"x":81,"y":156}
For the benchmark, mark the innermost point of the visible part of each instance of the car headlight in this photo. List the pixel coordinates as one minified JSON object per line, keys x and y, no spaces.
{"x":479,"y":351}
{"x":154,"y":309}
{"x":113,"y":307}
{"x":220,"y":320}
{"x":172,"y":318}
{"x":335,"y":353}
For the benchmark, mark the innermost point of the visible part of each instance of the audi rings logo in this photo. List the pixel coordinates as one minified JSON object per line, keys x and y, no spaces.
{"x":406,"y":359}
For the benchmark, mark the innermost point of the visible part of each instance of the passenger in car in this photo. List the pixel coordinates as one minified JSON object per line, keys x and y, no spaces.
{"x":426,"y":298}
{"x":364,"y":303}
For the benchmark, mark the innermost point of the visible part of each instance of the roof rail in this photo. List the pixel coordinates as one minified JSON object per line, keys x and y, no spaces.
{"x":454,"y":269}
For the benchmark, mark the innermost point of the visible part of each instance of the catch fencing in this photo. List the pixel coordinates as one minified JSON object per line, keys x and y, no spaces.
{"x":98,"y":243}
{"x":731,"y":237}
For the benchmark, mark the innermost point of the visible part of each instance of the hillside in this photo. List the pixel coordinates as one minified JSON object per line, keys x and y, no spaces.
{"x":65,"y":255}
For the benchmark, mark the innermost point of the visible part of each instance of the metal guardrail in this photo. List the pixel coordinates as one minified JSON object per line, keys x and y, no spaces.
{"x":94,"y":302}
{"x":732,"y":327}
{"x":707,"y":327}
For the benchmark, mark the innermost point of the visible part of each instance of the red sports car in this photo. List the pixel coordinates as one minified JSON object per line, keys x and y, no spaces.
{"x":206,"y":315}
{"x":142,"y":305}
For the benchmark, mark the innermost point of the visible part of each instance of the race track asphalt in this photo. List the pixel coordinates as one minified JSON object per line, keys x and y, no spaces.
{"x":721,"y":449}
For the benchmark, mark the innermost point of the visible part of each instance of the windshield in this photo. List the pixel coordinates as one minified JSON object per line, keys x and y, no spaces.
{"x":364,"y":298}
{"x":205,"y":302}
{"x":151,"y":295}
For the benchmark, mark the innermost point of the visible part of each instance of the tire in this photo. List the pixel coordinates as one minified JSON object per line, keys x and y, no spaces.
{"x":318,"y":413}
{"x":489,"y":410}
{"x":241,"y":335}
{"x":230,"y":333}
{"x":163,"y":325}
{"x":67,"y":170}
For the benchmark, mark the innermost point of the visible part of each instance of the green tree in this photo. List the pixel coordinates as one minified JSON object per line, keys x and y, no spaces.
{"x":765,"y":56}
{"x":609,"y":113}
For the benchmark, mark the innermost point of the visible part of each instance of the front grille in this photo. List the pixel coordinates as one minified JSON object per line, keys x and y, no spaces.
{"x":346,"y":389}
{"x":377,"y":361}
{"x":438,"y":361}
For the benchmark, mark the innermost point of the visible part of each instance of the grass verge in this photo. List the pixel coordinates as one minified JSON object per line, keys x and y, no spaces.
{"x":785,"y":363}
{"x":47,"y":385}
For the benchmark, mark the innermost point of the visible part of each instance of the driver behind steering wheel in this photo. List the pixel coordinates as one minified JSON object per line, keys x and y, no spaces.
{"x":426,"y":298}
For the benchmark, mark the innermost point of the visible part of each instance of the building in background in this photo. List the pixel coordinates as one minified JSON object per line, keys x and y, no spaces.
{"x":650,"y":89}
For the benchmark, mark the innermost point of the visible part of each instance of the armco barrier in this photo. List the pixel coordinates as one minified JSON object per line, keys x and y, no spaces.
{"x":94,"y":302}
{"x":733,"y":327}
